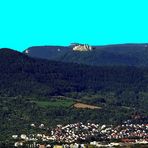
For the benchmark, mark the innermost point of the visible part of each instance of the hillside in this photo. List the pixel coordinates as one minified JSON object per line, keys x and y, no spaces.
{"x":38,"y":91}
{"x":58,"y":78}
{"x":109,"y":55}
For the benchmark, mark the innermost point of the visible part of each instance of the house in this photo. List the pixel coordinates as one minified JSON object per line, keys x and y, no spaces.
{"x":57,"y":146}
{"x":42,"y":146}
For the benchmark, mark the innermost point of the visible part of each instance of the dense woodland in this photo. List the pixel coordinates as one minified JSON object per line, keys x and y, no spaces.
{"x":28,"y":85}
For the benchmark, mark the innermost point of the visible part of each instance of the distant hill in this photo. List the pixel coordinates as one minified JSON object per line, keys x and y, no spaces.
{"x":109,"y":55}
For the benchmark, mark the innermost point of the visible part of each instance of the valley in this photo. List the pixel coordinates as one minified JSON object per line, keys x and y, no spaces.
{"x":48,"y":92}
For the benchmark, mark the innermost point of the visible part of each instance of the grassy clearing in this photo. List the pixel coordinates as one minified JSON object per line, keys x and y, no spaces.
{"x":55,"y":103}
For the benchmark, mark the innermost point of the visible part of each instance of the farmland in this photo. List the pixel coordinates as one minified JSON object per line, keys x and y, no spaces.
{"x":85,"y":106}
{"x":55,"y":103}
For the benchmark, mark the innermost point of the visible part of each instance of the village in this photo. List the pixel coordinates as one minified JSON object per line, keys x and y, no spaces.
{"x":79,"y":135}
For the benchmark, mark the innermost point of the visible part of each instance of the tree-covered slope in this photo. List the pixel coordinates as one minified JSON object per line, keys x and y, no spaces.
{"x":20,"y":74}
{"x":110,"y":55}
{"x":38,"y":91}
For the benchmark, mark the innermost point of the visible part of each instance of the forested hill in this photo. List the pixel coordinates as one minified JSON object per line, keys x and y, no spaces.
{"x":20,"y":74}
{"x":109,"y":55}
{"x":38,"y":91}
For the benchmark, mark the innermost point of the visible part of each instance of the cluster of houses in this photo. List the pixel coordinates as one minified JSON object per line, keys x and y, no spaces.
{"x":126,"y":132}
{"x":78,"y":134}
{"x":75,"y":132}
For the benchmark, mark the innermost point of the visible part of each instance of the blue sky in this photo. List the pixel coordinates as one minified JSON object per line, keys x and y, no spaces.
{"x":25,"y":23}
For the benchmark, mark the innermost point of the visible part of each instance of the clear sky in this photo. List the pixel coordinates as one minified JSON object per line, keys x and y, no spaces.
{"x":25,"y":23}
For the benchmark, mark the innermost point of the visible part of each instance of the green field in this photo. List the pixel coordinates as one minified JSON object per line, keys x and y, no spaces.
{"x":55,"y":103}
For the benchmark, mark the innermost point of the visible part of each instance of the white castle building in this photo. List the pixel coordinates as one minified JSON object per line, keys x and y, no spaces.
{"x":81,"y":47}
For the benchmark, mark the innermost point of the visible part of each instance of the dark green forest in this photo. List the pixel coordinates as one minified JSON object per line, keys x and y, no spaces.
{"x":28,"y":86}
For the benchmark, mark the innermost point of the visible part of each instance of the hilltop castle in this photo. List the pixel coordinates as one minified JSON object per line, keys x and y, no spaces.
{"x":81,"y":47}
